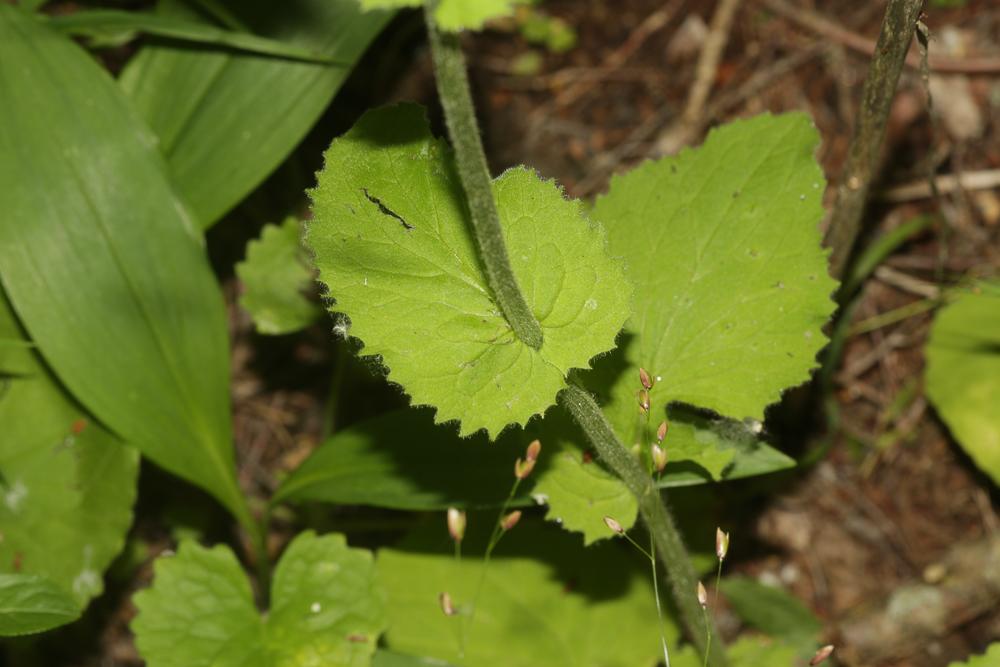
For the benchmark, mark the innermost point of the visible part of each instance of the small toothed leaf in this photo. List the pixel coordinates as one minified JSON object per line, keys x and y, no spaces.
{"x":326,"y":609}
{"x":392,"y":243}
{"x":275,"y":276}
{"x":732,"y":288}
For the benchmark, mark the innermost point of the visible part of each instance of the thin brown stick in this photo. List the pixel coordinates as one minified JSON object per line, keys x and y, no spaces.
{"x":898,"y":29}
{"x":681,"y":132}
{"x":946,"y":184}
{"x":823,"y":26}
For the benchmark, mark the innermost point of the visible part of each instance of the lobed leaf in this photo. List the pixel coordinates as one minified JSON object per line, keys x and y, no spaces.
{"x":102,"y":264}
{"x":275,"y":277}
{"x":391,"y":240}
{"x":326,"y":609}
{"x":226,"y":120}
{"x":963,"y":373}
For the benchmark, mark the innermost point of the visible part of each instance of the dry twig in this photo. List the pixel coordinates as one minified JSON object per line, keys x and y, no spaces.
{"x":681,"y":133}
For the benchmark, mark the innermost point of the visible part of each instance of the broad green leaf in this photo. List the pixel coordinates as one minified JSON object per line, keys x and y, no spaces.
{"x":102,"y":263}
{"x":543,"y":601}
{"x":732,"y":289}
{"x":403,"y":460}
{"x":67,"y":485}
{"x":455,"y":15}
{"x":227,"y":120}
{"x":326,"y":609}
{"x":773,"y":611}
{"x":275,"y":276}
{"x":988,"y":659}
{"x":115,"y":26}
{"x":29,"y":603}
{"x":963,"y":373}
{"x":392,"y":243}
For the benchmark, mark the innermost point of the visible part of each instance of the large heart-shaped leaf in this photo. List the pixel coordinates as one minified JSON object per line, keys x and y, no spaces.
{"x":393,"y":245}
{"x":326,"y":609}
{"x":102,"y":263}
{"x":732,"y":291}
{"x":225,"y":120}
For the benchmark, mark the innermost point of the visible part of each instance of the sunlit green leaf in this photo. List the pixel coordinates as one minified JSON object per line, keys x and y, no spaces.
{"x":732,"y":292}
{"x":393,"y":246}
{"x":102,"y":263}
{"x":226,"y":120}
{"x":275,"y":276}
{"x":326,"y":609}
{"x":963,"y":373}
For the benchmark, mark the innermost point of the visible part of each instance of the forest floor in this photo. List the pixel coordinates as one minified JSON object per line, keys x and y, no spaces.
{"x":887,"y":495}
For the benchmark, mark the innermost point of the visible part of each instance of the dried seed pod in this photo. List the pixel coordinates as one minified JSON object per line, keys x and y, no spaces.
{"x":614,"y":525}
{"x":721,"y":543}
{"x":523,"y":467}
{"x":533,"y":450}
{"x":659,"y":456}
{"x":643,"y":397}
{"x":821,"y":655}
{"x":647,"y":382}
{"x":661,"y":431}
{"x":456,"y":523}
{"x":510,"y":520}
{"x":446,"y":605}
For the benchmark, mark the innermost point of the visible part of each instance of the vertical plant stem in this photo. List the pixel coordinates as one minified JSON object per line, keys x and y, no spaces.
{"x":898,"y":29}
{"x":667,"y":539}
{"x":460,"y":117}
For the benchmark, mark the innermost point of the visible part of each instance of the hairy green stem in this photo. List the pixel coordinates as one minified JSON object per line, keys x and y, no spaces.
{"x":898,"y":28}
{"x":669,"y":546}
{"x":460,"y":116}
